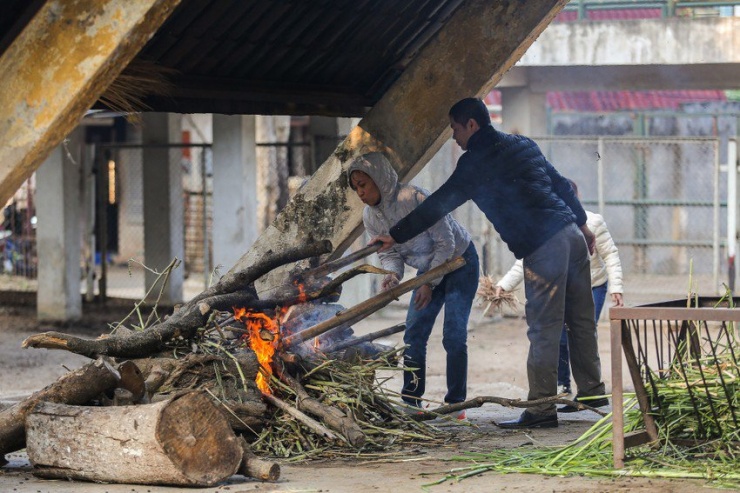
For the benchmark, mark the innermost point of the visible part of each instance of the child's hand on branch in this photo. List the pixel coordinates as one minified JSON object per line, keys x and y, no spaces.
{"x":390,"y":281}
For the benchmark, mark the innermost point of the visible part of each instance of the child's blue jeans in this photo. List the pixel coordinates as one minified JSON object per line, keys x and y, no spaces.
{"x":456,"y":292}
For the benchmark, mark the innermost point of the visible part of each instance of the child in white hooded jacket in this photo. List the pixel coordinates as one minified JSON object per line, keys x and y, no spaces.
{"x":606,"y":273}
{"x":387,"y":201}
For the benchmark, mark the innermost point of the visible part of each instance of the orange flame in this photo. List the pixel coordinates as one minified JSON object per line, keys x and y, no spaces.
{"x":264,"y":333}
{"x":302,"y":297}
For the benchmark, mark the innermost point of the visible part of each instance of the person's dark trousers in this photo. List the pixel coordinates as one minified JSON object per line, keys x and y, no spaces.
{"x":456,"y":292}
{"x":599,"y":295}
{"x":557,"y":285}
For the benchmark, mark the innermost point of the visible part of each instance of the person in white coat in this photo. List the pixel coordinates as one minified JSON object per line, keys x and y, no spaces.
{"x":606,"y":275}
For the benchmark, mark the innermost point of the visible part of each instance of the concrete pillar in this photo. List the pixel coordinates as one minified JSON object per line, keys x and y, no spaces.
{"x":524,"y":112}
{"x":324,"y":132}
{"x":58,"y":233}
{"x":235,"y":188}
{"x":163,"y":204}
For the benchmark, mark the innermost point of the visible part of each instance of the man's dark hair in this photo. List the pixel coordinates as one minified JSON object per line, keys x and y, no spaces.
{"x":468,"y":108}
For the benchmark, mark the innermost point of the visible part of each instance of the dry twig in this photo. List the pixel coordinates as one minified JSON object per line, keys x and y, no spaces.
{"x":487,"y":294}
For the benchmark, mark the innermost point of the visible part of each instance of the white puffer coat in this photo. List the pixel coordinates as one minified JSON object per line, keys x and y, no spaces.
{"x":443,"y":241}
{"x":605,"y":264}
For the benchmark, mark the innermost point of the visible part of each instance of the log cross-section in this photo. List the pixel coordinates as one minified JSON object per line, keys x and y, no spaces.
{"x":184,"y":441}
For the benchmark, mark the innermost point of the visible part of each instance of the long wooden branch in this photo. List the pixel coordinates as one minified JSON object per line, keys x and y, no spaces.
{"x":335,"y":265}
{"x":503,"y":401}
{"x":185,"y":321}
{"x":366,"y":308}
{"x":334,"y":284}
{"x":303,"y":418}
{"x":333,"y":417}
{"x":366,"y":338}
{"x":74,"y":388}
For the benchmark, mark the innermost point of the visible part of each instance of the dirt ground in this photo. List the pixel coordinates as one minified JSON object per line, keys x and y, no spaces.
{"x":497,"y":356}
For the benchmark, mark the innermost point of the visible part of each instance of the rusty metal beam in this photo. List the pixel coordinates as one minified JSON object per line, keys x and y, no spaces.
{"x":468,"y":56}
{"x":57,"y":67}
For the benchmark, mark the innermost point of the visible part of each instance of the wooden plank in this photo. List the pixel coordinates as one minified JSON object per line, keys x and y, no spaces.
{"x":634,"y":439}
{"x":618,"y":442}
{"x":57,"y":67}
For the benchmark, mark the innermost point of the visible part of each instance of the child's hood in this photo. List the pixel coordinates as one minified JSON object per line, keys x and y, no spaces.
{"x":377,"y":166}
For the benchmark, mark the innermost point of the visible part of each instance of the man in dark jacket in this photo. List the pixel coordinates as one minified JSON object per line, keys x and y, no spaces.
{"x":537,"y":214}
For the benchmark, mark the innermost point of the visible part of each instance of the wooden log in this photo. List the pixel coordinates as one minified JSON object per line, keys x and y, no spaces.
{"x":185,"y":321}
{"x":253,"y":467}
{"x":184,"y":441}
{"x":333,"y":417}
{"x":77,"y":387}
{"x":366,"y":308}
{"x":306,"y":420}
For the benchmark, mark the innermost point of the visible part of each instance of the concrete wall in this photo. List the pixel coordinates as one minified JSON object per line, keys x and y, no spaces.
{"x":673,"y":53}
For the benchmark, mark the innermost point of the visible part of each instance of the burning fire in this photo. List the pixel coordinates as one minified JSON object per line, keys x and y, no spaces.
{"x":264,"y":334}
{"x":302,"y":297}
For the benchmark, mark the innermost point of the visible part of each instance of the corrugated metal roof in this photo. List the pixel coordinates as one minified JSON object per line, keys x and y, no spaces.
{"x":331,"y":57}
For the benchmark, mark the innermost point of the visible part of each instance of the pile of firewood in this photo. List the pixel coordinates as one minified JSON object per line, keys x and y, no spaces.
{"x":188,"y":399}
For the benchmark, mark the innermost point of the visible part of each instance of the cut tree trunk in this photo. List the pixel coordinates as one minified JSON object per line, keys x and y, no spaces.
{"x":77,"y":387}
{"x":185,"y":441}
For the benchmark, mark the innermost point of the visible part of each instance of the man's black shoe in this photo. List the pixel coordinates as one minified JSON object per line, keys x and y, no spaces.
{"x":600,"y":402}
{"x":529,"y":420}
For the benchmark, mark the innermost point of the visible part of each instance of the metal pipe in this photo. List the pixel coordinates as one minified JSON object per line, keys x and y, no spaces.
{"x":600,"y":175}
{"x":715,"y":219}
{"x":731,"y":211}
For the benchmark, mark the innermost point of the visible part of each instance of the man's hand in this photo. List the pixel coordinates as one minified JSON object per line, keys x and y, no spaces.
{"x":386,"y":240}
{"x":390,"y":281}
{"x":590,"y":238}
{"x":617,"y":299}
{"x":423,"y":297}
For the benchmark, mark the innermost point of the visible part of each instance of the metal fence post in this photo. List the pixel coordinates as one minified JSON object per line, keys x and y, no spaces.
{"x":600,"y":175}
{"x":731,"y":211}
{"x":715,"y":218}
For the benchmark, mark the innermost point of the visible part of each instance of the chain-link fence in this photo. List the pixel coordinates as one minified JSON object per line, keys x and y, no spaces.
{"x":663,"y":199}
{"x":664,"y":205}
{"x":122,"y":274}
{"x":18,"y":258}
